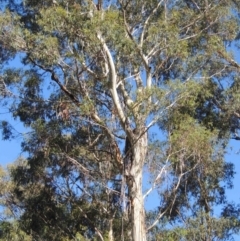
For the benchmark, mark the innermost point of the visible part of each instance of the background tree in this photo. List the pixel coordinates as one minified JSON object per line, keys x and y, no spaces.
{"x":96,"y":74}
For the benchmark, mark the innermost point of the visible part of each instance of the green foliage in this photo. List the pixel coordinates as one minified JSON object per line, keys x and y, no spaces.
{"x":199,"y":229}
{"x":11,"y":231}
{"x":92,"y":76}
{"x":6,"y":130}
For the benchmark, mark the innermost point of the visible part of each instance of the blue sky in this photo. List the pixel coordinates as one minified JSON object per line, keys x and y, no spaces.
{"x":9,"y":150}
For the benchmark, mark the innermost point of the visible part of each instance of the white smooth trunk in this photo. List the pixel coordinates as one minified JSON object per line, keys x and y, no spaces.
{"x":135,"y":190}
{"x":110,"y":233}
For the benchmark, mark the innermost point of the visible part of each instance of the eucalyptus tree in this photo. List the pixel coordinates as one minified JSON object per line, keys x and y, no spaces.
{"x":96,"y":74}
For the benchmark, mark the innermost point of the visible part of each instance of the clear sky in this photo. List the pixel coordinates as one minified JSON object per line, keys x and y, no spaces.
{"x":234,"y":157}
{"x":10,"y":150}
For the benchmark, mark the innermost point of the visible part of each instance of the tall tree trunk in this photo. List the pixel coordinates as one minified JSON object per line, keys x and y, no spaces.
{"x":139,"y":151}
{"x":110,"y":232}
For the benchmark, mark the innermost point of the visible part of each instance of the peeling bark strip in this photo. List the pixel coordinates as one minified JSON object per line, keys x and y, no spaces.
{"x":134,"y":182}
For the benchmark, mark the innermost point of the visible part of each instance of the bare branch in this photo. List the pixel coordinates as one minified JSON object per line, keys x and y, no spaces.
{"x":90,"y":221}
{"x":155,"y":181}
{"x":154,"y":121}
{"x":139,"y":50}
{"x":113,"y":81}
{"x":128,"y":101}
{"x":146,"y":22}
{"x":55,"y":78}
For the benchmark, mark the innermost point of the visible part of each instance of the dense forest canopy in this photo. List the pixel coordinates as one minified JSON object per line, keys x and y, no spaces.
{"x":113,"y":93}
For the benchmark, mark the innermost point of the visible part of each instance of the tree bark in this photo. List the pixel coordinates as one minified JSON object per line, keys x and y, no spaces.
{"x":134,"y":181}
{"x":110,"y":232}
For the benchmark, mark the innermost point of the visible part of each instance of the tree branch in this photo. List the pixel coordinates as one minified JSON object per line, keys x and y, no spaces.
{"x":113,"y":81}
{"x":146,"y":22}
